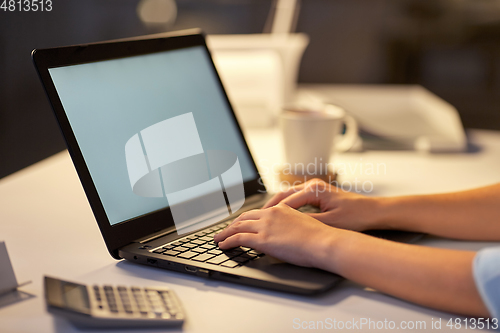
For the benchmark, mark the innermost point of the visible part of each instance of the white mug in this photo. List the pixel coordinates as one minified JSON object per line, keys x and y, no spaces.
{"x":310,"y":137}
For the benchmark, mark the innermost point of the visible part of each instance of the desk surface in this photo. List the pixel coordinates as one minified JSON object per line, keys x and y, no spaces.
{"x":49,"y":229}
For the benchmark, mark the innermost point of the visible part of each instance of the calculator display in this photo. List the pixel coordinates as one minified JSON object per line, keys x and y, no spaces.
{"x":76,"y":297}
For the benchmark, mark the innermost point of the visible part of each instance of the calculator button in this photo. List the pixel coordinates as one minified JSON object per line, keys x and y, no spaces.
{"x":97,"y":293}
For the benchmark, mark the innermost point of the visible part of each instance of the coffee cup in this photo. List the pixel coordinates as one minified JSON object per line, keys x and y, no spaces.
{"x":312,"y":136}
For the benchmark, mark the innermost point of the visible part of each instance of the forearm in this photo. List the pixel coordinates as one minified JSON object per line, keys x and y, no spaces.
{"x":436,"y":278}
{"x":473,"y":215}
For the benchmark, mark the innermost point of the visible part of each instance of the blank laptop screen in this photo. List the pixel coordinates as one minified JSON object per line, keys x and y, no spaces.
{"x":175,"y":94}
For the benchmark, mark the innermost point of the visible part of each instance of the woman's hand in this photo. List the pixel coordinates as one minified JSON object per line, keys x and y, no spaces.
{"x":339,"y":208}
{"x":282,"y":232}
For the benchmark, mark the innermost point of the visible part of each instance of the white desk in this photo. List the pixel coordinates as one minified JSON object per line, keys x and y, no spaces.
{"x":49,"y":229}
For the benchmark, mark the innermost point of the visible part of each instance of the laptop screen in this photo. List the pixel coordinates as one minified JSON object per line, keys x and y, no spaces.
{"x":139,"y":119}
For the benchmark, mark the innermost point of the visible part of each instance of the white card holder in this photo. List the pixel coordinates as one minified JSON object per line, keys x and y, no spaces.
{"x":8,"y":281}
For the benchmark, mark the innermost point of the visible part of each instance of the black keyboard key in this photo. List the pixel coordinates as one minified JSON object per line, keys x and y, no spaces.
{"x":187,"y":255}
{"x":171,"y":253}
{"x":199,"y":250}
{"x":233,"y":252}
{"x":181,"y":248}
{"x":230,"y":264}
{"x":256,"y":252}
{"x":203,"y":257}
{"x":249,"y":256}
{"x":218,"y":260}
{"x":240,"y":259}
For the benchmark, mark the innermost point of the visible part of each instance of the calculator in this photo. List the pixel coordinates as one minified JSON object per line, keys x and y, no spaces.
{"x":113,"y":306}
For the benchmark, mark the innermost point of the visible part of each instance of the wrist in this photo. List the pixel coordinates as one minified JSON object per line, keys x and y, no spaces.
{"x":381,"y":212}
{"x":329,"y":248}
{"x":371,"y":213}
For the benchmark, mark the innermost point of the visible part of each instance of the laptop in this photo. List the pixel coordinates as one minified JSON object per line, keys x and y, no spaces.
{"x":162,"y":158}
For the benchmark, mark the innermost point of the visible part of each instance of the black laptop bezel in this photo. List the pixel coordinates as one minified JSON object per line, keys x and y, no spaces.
{"x":123,"y":233}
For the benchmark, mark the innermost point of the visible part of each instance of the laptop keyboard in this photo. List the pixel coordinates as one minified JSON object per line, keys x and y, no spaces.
{"x":200,"y":247}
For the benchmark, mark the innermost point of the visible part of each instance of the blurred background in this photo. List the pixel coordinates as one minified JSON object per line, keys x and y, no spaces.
{"x":451,"y":47}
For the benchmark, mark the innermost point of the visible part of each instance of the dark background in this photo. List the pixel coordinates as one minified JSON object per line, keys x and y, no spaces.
{"x":449,"y":46}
